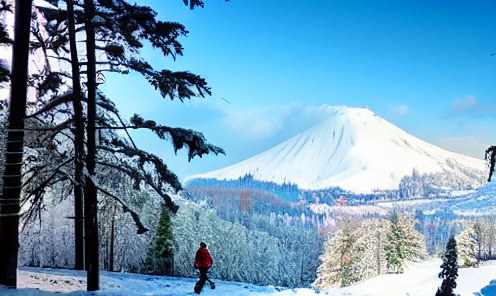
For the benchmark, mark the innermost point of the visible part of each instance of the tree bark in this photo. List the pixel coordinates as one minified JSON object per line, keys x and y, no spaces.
{"x":78,"y":142}
{"x":10,"y":199}
{"x":90,"y":190}
{"x":112,"y":237}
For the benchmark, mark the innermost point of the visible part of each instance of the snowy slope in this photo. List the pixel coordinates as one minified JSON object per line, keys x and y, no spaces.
{"x":355,"y":149}
{"x":479,"y":202}
{"x":419,"y":280}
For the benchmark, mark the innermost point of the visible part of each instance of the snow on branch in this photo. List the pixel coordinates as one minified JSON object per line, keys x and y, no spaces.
{"x":196,"y":141}
{"x":126,"y":208}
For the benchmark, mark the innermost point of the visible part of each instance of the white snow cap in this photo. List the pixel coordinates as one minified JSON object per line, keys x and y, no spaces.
{"x":352,"y":148}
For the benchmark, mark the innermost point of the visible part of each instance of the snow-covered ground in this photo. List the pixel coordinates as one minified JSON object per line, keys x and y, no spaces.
{"x":419,"y":280}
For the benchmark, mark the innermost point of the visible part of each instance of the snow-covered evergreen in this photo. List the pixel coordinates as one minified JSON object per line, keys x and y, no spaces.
{"x":467,"y":248}
{"x":239,"y":253}
{"x":353,"y":253}
{"x":361,"y":249}
{"x":403,"y":242}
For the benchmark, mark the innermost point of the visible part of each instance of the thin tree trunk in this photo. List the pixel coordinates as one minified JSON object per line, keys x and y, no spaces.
{"x":112,"y":237}
{"x":90,"y":191}
{"x":78,"y":142}
{"x":9,"y":201}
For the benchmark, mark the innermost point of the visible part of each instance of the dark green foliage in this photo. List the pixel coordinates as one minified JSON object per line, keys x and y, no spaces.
{"x":163,"y":173}
{"x":160,"y":254}
{"x":4,"y":37}
{"x":114,"y":52}
{"x":395,"y":250}
{"x":4,"y":74}
{"x":193,"y":3}
{"x":181,"y":85}
{"x":491,"y":157}
{"x":120,"y":29}
{"x":49,"y":82}
{"x":449,"y":271}
{"x":195,"y":141}
{"x":403,"y":242}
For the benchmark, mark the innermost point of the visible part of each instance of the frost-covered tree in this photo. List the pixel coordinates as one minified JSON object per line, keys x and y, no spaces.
{"x":467,"y":248}
{"x":449,"y":272}
{"x":359,"y":250}
{"x":239,"y":253}
{"x":117,"y":34}
{"x":353,"y":253}
{"x":403,"y":242}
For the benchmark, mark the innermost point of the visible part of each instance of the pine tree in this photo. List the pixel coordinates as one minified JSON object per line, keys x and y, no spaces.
{"x":467,"y":248}
{"x":449,"y":271}
{"x":353,"y":253}
{"x":160,"y":254}
{"x":403,"y":243}
{"x":118,"y":39}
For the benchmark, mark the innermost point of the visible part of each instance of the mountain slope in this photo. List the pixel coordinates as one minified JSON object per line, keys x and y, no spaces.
{"x":357,"y":150}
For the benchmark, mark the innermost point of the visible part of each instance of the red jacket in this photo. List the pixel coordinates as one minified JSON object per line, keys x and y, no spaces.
{"x":203,"y":259}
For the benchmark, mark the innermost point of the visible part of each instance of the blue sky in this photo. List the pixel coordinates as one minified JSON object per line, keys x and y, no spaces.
{"x":425,"y":66}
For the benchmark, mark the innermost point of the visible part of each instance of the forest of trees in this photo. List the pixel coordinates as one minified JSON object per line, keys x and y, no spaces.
{"x":361,"y":249}
{"x":68,"y":146}
{"x":58,"y":128}
{"x":415,"y":186}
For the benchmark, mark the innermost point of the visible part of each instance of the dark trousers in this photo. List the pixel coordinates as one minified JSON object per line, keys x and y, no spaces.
{"x":203,"y":278}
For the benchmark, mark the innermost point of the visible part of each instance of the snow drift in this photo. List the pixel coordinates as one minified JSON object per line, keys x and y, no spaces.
{"x":357,"y":150}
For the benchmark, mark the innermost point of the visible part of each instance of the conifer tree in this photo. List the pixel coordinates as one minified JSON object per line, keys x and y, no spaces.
{"x":161,"y":252}
{"x":117,"y":29}
{"x":467,"y":248}
{"x":403,"y":243}
{"x":449,"y":272}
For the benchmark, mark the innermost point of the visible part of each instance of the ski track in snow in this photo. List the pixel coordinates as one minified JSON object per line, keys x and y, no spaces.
{"x":420,"y":279}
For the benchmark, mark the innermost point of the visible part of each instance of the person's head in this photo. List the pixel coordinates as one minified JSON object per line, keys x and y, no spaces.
{"x":203,"y":245}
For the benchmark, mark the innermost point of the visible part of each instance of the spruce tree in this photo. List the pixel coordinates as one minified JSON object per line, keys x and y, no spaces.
{"x":403,"y":242}
{"x":160,"y":255}
{"x":119,"y":29}
{"x":449,"y":271}
{"x":467,"y":248}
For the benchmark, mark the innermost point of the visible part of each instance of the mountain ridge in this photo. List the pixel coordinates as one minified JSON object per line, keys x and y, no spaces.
{"x":357,"y":150}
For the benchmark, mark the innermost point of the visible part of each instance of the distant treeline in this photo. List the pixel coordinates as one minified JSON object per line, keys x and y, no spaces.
{"x":411,"y":187}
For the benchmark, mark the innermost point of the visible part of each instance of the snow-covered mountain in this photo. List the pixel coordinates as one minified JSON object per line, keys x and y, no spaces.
{"x":357,"y":150}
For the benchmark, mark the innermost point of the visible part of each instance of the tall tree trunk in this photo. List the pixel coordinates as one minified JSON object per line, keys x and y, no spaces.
{"x":90,"y":194}
{"x":78,"y":142}
{"x":112,"y":237}
{"x":9,"y":201}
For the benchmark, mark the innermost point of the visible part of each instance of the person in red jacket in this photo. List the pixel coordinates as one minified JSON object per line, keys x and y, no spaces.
{"x":203,"y":262}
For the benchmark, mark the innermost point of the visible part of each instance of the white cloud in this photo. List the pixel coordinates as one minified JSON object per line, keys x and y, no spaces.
{"x":399,"y":110}
{"x":257,"y":123}
{"x":467,"y":145}
{"x":469,"y":105}
{"x":269,"y":121}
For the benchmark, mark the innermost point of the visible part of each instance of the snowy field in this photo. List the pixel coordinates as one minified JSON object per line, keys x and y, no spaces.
{"x":419,"y":280}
